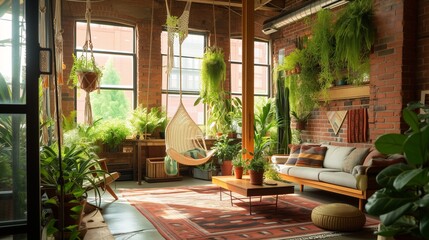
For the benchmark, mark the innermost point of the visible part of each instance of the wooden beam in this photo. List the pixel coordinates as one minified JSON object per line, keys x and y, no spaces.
{"x":248,"y":22}
{"x":259,"y":4}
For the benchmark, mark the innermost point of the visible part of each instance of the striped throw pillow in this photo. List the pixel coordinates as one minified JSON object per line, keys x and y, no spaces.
{"x":293,"y":155}
{"x":311,"y":156}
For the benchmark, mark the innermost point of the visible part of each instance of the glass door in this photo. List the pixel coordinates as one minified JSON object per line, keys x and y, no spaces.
{"x":19,"y":164}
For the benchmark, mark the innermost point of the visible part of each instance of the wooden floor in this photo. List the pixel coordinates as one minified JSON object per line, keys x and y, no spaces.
{"x":97,"y":228}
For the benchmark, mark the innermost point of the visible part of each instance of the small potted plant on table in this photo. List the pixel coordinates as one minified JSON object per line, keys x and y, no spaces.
{"x":238,"y":164}
{"x":226,"y":149}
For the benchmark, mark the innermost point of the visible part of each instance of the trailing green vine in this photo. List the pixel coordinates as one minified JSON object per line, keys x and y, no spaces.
{"x":213,"y":73}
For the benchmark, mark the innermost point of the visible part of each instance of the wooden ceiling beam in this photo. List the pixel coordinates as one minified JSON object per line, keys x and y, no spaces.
{"x":259,"y":4}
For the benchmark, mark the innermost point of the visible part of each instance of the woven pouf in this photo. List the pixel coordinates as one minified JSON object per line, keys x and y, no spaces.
{"x":338,"y":217}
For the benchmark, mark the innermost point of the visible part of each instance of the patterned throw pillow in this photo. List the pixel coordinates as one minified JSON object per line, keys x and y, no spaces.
{"x":195,"y":153}
{"x":311,"y":156}
{"x":293,"y":155}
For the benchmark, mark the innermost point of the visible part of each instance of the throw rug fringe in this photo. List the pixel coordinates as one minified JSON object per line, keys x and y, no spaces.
{"x":196,"y":212}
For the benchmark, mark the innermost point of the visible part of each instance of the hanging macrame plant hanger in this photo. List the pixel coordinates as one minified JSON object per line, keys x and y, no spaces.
{"x":182,"y":134}
{"x":89,"y":81}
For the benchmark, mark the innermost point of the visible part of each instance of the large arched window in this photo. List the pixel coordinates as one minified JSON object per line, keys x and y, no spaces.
{"x":114,"y":50}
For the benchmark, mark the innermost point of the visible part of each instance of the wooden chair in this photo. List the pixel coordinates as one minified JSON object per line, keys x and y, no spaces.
{"x":108,"y":178}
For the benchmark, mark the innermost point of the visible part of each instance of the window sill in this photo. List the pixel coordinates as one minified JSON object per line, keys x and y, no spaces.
{"x":348,"y":92}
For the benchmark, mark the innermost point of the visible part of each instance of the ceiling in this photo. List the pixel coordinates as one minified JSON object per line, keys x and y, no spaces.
{"x":264,"y":5}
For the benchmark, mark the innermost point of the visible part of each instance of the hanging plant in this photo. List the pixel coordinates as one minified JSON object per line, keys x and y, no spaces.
{"x":85,"y":73}
{"x":213,"y":73}
{"x":322,"y":45}
{"x":355,"y":33}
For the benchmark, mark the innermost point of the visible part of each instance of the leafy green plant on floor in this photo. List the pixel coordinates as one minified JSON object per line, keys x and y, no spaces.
{"x":403,"y":201}
{"x":284,"y":134}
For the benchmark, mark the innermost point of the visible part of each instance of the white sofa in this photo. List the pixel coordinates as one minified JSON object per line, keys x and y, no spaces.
{"x":346,"y":170}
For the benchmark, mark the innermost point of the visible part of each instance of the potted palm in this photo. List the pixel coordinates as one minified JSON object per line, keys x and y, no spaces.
{"x":79,"y":167}
{"x":403,"y":201}
{"x":85,"y":73}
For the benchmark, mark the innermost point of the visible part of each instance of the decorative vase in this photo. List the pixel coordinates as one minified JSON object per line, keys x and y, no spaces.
{"x":238,"y":172}
{"x":88,"y":81}
{"x":256,"y":177}
{"x":226,"y":168}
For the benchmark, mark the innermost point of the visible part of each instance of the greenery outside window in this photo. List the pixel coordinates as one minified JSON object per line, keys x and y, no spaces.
{"x":114,"y":49}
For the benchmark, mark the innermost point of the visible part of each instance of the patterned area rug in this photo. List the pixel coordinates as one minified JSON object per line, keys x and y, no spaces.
{"x":196,"y":212}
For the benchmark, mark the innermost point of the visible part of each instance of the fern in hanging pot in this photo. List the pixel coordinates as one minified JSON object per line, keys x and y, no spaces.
{"x":213,"y":74}
{"x":355,"y":35}
{"x":85,"y":73}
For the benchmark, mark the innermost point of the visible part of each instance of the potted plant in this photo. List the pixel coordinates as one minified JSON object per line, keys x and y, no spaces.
{"x":112,"y":133}
{"x":226,"y":149}
{"x":145,"y":122}
{"x":403,"y":201}
{"x":80,"y":167}
{"x":300,"y":119}
{"x":256,"y":168}
{"x":204,"y":171}
{"x":213,"y":74}
{"x":85,"y":73}
{"x":238,"y":164}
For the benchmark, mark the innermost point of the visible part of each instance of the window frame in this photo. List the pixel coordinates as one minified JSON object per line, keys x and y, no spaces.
{"x":133,"y":89}
{"x":167,"y":92}
{"x":267,"y":65}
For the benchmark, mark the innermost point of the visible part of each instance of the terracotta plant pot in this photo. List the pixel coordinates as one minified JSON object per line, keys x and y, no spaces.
{"x":256,"y":177}
{"x":300,"y":125}
{"x":88,"y":81}
{"x":238,"y":172}
{"x":226,"y":168}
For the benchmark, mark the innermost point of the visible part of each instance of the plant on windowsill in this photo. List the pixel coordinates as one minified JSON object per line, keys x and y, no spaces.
{"x":112,"y":133}
{"x":85,"y":73}
{"x":145,"y":122}
{"x":403,"y":201}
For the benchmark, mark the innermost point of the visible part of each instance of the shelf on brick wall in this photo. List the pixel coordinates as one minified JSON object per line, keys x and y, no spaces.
{"x":348,"y":92}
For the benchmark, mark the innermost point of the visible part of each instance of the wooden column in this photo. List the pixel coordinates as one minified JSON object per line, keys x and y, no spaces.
{"x":248,"y":75}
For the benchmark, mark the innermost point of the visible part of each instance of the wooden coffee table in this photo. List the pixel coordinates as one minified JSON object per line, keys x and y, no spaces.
{"x":244,"y":188}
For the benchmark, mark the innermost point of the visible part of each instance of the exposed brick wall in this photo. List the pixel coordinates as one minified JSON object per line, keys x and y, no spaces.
{"x":399,"y":60}
{"x":138,"y":13}
{"x":391,"y":76}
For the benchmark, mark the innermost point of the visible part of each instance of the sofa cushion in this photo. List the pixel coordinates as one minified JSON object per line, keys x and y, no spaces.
{"x":373,"y":153}
{"x":335,"y":156}
{"x":294,"y":153}
{"x":309,"y":172}
{"x":279,"y":158}
{"x":339,"y":178}
{"x":311,"y":156}
{"x":356,"y":157}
